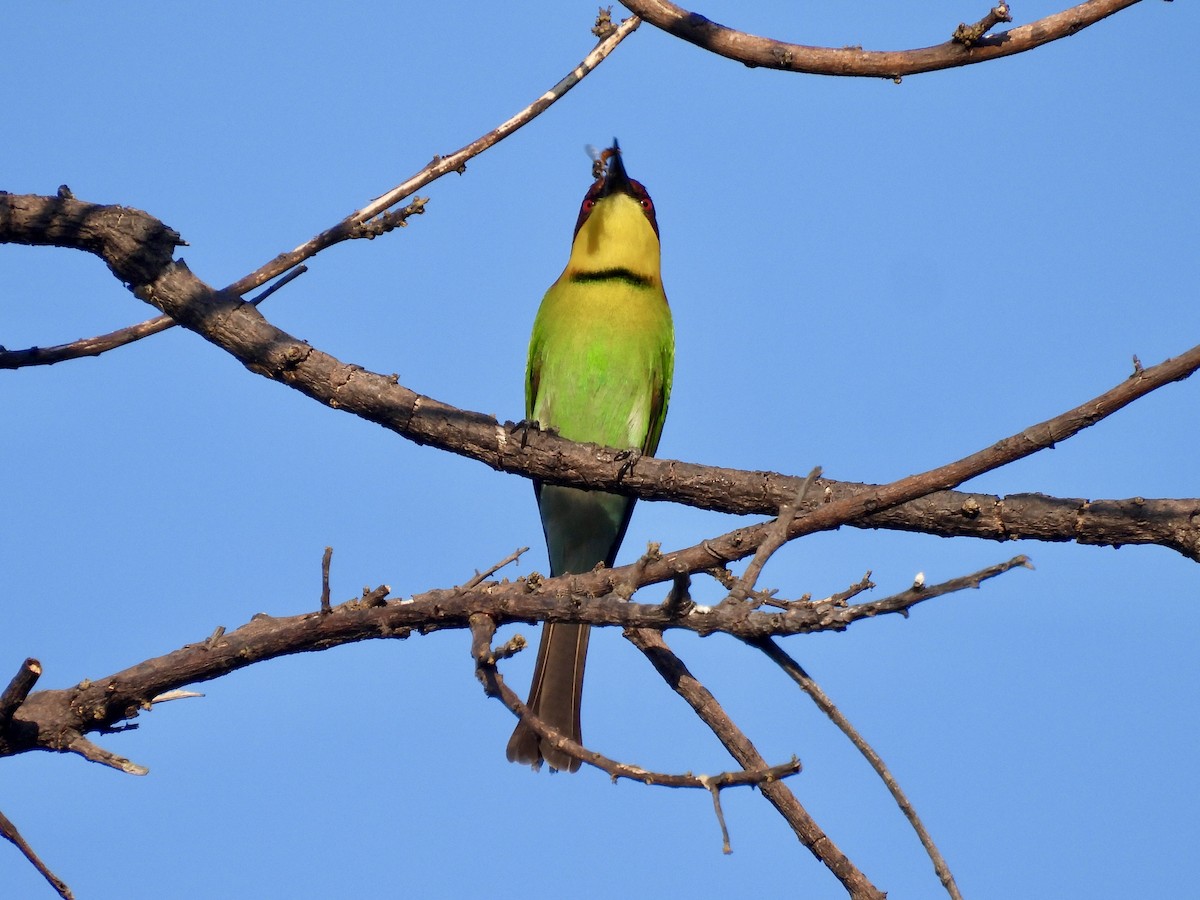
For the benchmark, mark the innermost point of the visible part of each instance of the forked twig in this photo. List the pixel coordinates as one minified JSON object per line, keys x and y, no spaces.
{"x":482,"y":630}
{"x":441,"y":165}
{"x":354,"y":225}
{"x":897,"y":603}
{"x":676,"y":674}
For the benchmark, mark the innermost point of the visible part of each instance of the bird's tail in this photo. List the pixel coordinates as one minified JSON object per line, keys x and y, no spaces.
{"x":554,"y":697}
{"x":583,"y":529}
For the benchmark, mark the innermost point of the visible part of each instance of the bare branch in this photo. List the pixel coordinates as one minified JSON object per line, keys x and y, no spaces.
{"x":898,"y":603}
{"x":242,"y":331}
{"x":753,"y":50}
{"x":239,"y":329}
{"x":9,"y":831}
{"x":56,"y":719}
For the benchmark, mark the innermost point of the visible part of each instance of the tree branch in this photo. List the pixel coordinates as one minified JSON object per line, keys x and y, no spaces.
{"x":753,"y":50}
{"x":241,"y":330}
{"x":58,"y":719}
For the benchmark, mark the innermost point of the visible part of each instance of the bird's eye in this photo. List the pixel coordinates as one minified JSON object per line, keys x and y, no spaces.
{"x":588,"y":204}
{"x":646,"y":204}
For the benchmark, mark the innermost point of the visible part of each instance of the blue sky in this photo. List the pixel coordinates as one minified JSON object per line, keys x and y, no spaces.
{"x":870,"y":277}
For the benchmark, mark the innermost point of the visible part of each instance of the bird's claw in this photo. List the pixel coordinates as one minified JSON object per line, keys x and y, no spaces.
{"x":628,"y":459}
{"x":527,"y":425}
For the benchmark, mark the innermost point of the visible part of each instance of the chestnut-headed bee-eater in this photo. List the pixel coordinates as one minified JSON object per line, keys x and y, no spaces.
{"x":600,"y":364}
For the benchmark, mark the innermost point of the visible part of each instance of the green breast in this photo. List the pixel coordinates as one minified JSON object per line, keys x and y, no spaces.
{"x":601,"y":359}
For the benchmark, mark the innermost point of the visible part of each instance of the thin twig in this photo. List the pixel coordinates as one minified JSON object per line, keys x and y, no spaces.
{"x":729,"y":581}
{"x":441,"y":165}
{"x":388,"y":221}
{"x":97,"y":754}
{"x":168,"y":696}
{"x":9,"y":831}
{"x":863,"y":584}
{"x":776,"y":537}
{"x":905,"y":600}
{"x":796,"y":672}
{"x":509,"y":648}
{"x":373,"y":597}
{"x":94,"y":346}
{"x":629,"y":586}
{"x":716,"y":798}
{"x":282,"y":282}
{"x":968,"y":35}
{"x":326,"y":558}
{"x":91,"y":346}
{"x":480,"y":577}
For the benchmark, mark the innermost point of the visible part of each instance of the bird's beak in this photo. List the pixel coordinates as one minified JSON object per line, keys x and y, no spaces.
{"x":616,"y":179}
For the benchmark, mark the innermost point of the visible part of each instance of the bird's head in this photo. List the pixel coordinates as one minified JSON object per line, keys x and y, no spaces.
{"x":617,"y":227}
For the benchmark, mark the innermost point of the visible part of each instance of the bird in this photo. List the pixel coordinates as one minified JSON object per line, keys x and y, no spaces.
{"x":601,"y":359}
